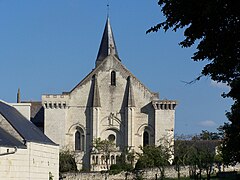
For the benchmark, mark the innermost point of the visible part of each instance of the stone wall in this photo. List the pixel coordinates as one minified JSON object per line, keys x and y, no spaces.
{"x":170,"y":172}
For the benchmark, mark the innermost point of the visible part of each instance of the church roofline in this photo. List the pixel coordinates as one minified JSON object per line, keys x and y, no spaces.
{"x":90,"y":75}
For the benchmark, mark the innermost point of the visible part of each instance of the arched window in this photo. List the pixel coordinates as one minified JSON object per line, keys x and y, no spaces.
{"x":113,"y":78}
{"x":111,"y":138}
{"x":145,"y":138}
{"x":79,"y":140}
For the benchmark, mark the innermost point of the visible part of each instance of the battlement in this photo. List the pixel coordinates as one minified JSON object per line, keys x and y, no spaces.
{"x":164,"y":104}
{"x":55,"y":101}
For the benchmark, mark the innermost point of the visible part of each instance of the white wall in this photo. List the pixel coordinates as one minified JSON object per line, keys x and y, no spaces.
{"x":23,"y":108}
{"x":33,"y":163}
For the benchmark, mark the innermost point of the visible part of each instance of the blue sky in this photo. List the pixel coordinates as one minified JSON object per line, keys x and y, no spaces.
{"x":49,"y":46}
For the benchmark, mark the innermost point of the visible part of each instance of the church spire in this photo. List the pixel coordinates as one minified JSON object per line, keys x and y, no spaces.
{"x":107,"y":45}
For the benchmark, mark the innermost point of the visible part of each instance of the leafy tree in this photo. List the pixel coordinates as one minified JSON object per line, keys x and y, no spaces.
{"x":218,"y":158}
{"x":206,"y":135}
{"x":67,"y":162}
{"x":105,"y":147}
{"x":180,"y":155}
{"x":214,"y":26}
{"x":200,"y":156}
{"x":124,"y":163}
{"x":229,"y":148}
{"x":154,"y":156}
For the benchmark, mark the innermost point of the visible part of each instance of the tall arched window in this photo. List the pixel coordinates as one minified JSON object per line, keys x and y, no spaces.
{"x":145,"y":138}
{"x":113,"y":78}
{"x":79,"y":140}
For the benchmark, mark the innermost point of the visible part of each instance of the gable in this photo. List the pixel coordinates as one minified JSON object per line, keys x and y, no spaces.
{"x":111,"y":63}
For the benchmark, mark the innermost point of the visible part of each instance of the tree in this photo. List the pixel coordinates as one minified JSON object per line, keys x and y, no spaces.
{"x":154,"y":156}
{"x":206,"y":135}
{"x":105,"y":147}
{"x":124,"y":162}
{"x":67,"y":162}
{"x":229,"y":147}
{"x":214,"y":26}
{"x":181,"y":149}
{"x":200,"y":156}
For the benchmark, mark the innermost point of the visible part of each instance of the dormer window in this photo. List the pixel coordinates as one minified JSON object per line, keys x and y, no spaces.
{"x":113,"y":78}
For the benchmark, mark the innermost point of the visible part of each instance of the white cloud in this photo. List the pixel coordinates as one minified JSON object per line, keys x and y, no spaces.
{"x":207,"y":123}
{"x":219,"y":85}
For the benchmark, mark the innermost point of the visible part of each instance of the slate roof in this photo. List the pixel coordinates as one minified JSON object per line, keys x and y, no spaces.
{"x":26,"y":129}
{"x":7,"y":140}
{"x":107,"y":45}
{"x":207,"y":144}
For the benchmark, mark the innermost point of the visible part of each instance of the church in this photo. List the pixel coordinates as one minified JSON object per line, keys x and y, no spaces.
{"x":109,"y":103}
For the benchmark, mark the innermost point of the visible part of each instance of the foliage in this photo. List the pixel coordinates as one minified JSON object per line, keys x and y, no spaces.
{"x":206,"y":135}
{"x":105,"y":147}
{"x":201,"y":156}
{"x":117,"y":168}
{"x":50,"y":176}
{"x":124,"y":163}
{"x":214,"y":26}
{"x":229,"y":148}
{"x":154,"y":156}
{"x":180,"y":155}
{"x":67,"y":162}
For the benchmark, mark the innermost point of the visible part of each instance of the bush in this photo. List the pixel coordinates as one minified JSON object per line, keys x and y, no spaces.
{"x":117,"y":168}
{"x":67,"y":162}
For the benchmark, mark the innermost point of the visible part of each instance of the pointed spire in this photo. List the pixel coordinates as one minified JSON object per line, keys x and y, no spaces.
{"x":107,"y":45}
{"x":96,"y":96}
{"x":18,"y":96}
{"x":131,"y":101}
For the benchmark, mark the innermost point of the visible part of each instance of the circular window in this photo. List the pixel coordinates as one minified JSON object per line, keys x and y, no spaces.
{"x":111,"y":137}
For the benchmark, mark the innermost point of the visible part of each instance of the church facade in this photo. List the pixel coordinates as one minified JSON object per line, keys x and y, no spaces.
{"x":109,"y":103}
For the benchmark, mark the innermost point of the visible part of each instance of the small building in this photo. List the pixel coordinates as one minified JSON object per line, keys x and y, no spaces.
{"x":25,"y":152}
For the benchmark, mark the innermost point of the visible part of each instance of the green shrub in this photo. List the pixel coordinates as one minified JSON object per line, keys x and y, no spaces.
{"x":67,"y":162}
{"x":117,"y":168}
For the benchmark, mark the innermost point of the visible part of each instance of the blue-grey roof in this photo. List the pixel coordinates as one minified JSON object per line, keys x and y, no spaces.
{"x":26,"y":129}
{"x":107,"y":45}
{"x":8,"y":140}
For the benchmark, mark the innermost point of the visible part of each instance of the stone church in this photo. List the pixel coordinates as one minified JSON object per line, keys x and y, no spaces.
{"x":109,"y":103}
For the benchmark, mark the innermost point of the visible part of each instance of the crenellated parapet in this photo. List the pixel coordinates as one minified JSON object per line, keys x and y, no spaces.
{"x":164,"y":104}
{"x":55,"y":101}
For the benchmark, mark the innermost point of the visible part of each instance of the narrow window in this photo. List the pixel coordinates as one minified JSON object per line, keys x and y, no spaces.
{"x":113,"y":78}
{"x":145,"y":138}
{"x":79,"y":140}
